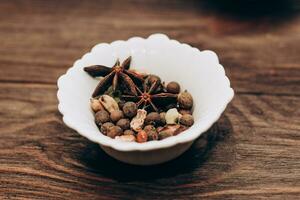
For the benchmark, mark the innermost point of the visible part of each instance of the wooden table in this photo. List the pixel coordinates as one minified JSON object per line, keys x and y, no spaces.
{"x":252,"y":152}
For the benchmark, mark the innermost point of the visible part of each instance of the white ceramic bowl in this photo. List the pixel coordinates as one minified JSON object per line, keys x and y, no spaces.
{"x":197,"y":71}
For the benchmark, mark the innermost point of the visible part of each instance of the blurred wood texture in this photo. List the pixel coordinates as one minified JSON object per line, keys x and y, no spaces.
{"x":252,"y":152}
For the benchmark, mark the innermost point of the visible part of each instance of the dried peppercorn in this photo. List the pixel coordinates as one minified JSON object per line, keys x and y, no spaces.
{"x":168,"y":130}
{"x":114,"y":131}
{"x":187,"y":120}
{"x":130,"y":109}
{"x":101,"y":117}
{"x":159,"y":129}
{"x":124,"y":124}
{"x":162,"y":118}
{"x":116,"y":115}
{"x":149,"y":128}
{"x":162,"y":135}
{"x":180,"y":129}
{"x":152,"y":118}
{"x":173,"y":87}
{"x":128,"y":132}
{"x":104,"y":128}
{"x":184,"y":111}
{"x":152,"y":135}
{"x":185,"y":100}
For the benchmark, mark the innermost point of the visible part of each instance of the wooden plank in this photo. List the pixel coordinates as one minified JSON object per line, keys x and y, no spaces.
{"x":251,"y":153}
{"x":41,"y":40}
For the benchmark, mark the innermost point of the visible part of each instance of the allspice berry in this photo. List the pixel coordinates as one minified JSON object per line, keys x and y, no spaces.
{"x":116,"y":115}
{"x":149,"y":127}
{"x":128,"y":132}
{"x":152,"y":135}
{"x":187,"y":120}
{"x":101,"y":117}
{"x":114,"y":131}
{"x":162,"y":118}
{"x":185,"y":100}
{"x":183,"y":111}
{"x":173,"y":87}
{"x":124,"y":124}
{"x":159,"y":129}
{"x":152,"y":118}
{"x":130,"y":109}
{"x":164,"y":134}
{"x":104,"y":128}
{"x":141,"y":136}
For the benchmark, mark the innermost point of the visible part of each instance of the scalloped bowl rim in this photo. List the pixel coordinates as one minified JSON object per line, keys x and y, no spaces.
{"x":190,"y":134}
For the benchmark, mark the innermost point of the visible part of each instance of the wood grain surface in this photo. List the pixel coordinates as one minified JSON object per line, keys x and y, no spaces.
{"x":252,"y":152}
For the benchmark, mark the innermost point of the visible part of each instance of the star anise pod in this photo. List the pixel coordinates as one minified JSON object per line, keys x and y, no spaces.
{"x":151,"y":96}
{"x":113,"y":76}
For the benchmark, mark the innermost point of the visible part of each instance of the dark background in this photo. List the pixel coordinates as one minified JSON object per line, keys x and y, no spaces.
{"x":252,"y":152}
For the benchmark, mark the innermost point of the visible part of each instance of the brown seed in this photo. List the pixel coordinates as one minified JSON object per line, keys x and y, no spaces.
{"x":114,"y":131}
{"x":141,"y":136}
{"x":152,"y":118}
{"x":101,"y":117}
{"x":173,"y":87}
{"x":168,"y":131}
{"x":187,"y":120}
{"x":183,"y":111}
{"x":162,"y":135}
{"x":148,"y":128}
{"x":104,"y":128}
{"x":185,"y":100}
{"x":116,"y":115}
{"x":159,"y":129}
{"x":124,"y":124}
{"x":162,"y":118}
{"x":129,"y":132}
{"x":130,"y":109}
{"x":152,"y":135}
{"x":180,"y":129}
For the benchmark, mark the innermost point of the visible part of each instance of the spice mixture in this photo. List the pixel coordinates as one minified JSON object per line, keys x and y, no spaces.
{"x":132,"y":106}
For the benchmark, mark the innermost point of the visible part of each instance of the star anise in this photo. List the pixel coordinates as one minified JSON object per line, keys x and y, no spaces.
{"x":151,"y":96}
{"x":113,"y":76}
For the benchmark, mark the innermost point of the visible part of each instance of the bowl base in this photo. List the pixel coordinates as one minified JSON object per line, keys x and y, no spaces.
{"x":152,"y":157}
